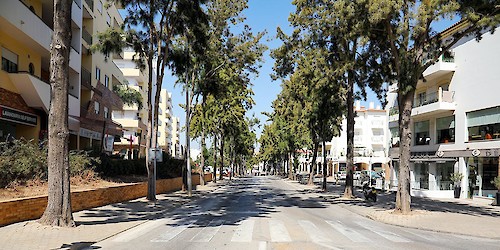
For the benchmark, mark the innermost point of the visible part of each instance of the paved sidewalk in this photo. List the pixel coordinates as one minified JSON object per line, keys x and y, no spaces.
{"x":95,"y":224}
{"x":476,"y":217}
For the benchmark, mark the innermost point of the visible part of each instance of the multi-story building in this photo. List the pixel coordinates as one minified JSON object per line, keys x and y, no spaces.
{"x":26,"y":28}
{"x":176,"y":149}
{"x":99,"y":75}
{"x":455,"y":121}
{"x":132,"y":117}
{"x":370,"y":141}
{"x":165,"y":121}
{"x":370,"y":144}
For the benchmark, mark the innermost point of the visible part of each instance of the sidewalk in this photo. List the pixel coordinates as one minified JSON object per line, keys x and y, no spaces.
{"x":95,"y":224}
{"x":476,"y":217}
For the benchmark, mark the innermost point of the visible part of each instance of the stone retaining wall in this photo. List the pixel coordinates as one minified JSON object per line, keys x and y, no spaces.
{"x":22,"y":209}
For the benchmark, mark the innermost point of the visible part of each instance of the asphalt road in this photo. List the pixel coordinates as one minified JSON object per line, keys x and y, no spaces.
{"x":269,"y":213}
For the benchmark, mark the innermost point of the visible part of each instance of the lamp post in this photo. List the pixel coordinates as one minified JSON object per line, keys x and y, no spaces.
{"x":370,"y":168}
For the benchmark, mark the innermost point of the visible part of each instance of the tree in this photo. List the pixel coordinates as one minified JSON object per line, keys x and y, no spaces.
{"x":403,"y":31}
{"x":150,"y":26}
{"x":58,"y":211}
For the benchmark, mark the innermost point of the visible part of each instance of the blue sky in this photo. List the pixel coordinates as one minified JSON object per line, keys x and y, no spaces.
{"x":263,"y":15}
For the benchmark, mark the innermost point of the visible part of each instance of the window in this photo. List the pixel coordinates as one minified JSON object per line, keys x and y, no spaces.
{"x":97,"y":107}
{"x":106,"y":81}
{"x":445,"y":129}
{"x":31,"y":68}
{"x":394,"y":137}
{"x":9,"y":61}
{"x":99,"y":6}
{"x":422,"y":133}
{"x":97,"y":73}
{"x":420,"y":99}
{"x":108,"y":19}
{"x":484,"y":124}
{"x":106,"y":112}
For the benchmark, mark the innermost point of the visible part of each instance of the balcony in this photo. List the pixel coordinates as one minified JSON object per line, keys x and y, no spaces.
{"x":445,"y":64}
{"x":378,"y":124}
{"x":90,"y":4}
{"x":86,"y":78}
{"x":36,"y":93}
{"x":87,"y":37}
{"x":434,"y":103}
{"x":378,"y":140}
{"x":20,"y":22}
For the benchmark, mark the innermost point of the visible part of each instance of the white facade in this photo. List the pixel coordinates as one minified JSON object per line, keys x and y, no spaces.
{"x":176,"y":149}
{"x":370,"y":143}
{"x":455,"y":122}
{"x":165,"y":121}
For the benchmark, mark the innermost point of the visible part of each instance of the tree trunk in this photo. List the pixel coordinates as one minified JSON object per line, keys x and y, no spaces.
{"x":215,"y":159}
{"x":403,"y":197}
{"x":221,"y":154}
{"x":58,"y":211}
{"x":313,"y":164}
{"x":151,"y":195}
{"x":348,"y":191}
{"x":188,"y":143}
{"x":324,"y":165}
{"x":202,"y":161}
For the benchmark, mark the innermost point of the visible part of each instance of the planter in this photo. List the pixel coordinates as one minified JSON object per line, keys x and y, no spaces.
{"x":457,"y":191}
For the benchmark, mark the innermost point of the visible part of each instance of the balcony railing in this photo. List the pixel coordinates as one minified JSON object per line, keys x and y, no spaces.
{"x":87,"y":37}
{"x":86,"y":78}
{"x":90,"y":3}
{"x":439,"y":96}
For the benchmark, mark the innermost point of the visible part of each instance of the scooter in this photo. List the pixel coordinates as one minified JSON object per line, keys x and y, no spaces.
{"x":370,"y":193}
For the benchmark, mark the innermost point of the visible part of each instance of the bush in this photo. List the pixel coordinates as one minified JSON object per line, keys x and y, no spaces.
{"x":22,"y":160}
{"x":112,"y":167}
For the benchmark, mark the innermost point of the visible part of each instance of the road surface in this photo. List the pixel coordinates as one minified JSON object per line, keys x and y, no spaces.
{"x":269,"y":213}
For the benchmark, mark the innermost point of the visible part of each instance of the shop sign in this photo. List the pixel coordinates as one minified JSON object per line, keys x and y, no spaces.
{"x":90,"y":134}
{"x":13,"y":115}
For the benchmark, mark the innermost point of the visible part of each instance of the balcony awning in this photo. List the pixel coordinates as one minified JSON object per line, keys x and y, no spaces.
{"x":35,"y":92}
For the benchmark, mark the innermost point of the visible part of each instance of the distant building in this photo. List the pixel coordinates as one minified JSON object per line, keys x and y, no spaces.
{"x":132,"y":118}
{"x":165,"y":121}
{"x":176,"y":149}
{"x":455,"y":121}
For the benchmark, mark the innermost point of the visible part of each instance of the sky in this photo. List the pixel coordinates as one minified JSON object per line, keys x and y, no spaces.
{"x":263,"y":15}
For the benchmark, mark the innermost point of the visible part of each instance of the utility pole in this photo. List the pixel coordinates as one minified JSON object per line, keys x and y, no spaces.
{"x":188,"y":148}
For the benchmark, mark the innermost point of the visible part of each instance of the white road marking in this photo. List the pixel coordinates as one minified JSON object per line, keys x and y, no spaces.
{"x":386,"y":234}
{"x":244,"y":231}
{"x":139,"y":230}
{"x":166,"y":237}
{"x":278,"y":231}
{"x":207,"y":233}
{"x":313,"y":231}
{"x":347,"y":232}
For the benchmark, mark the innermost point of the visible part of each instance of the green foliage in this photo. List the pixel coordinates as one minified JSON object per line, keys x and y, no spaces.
{"x":22,"y":160}
{"x":128,"y":95}
{"x":496,"y":182}
{"x":456,"y":177}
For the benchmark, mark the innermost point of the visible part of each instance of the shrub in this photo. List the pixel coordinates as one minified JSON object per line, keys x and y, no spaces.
{"x":22,"y":160}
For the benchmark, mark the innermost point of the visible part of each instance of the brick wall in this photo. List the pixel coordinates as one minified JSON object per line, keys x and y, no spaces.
{"x":22,"y":209}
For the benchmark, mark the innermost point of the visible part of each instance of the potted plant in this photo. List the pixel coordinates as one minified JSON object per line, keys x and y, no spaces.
{"x":456,"y":178}
{"x":496,"y":182}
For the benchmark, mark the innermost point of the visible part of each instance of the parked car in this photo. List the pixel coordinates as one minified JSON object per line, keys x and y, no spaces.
{"x":342,"y":175}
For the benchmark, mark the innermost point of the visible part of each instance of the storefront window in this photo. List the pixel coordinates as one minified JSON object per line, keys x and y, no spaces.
{"x":482,"y":170}
{"x":422,"y":133}
{"x":444,"y":170}
{"x":484,"y":124}
{"x":445,"y":129}
{"x":421,"y":172}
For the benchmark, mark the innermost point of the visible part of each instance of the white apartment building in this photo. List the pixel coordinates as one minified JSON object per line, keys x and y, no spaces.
{"x":455,"y":121}
{"x":370,"y":144}
{"x":370,"y":140}
{"x":165,"y":121}
{"x":133,"y":118}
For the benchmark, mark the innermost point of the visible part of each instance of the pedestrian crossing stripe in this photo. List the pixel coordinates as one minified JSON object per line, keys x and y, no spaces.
{"x":278,"y":231}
